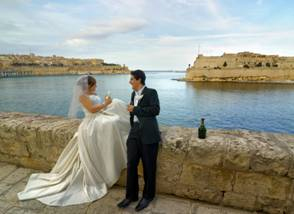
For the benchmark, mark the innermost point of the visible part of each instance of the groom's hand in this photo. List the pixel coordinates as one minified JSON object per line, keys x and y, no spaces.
{"x":130,"y":108}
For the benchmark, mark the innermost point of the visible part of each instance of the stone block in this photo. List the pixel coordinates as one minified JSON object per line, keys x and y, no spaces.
{"x":262,"y":185}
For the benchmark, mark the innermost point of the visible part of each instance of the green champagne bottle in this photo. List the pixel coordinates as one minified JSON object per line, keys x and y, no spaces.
{"x":202,"y":130}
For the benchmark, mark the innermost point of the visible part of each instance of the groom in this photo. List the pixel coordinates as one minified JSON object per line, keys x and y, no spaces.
{"x":142,"y":142}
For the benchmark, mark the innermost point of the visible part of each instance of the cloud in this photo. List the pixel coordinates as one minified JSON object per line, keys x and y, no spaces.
{"x":14,"y":2}
{"x":171,"y":40}
{"x":106,"y":29}
{"x":102,"y":30}
{"x":125,"y":7}
{"x":76,"y":42}
{"x":207,"y":14}
{"x":221,"y":20}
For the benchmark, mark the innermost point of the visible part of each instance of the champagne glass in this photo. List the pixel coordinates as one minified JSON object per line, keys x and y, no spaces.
{"x":108,"y":95}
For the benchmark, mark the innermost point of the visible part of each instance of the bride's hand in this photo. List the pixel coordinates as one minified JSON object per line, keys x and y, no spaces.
{"x":107,"y":100}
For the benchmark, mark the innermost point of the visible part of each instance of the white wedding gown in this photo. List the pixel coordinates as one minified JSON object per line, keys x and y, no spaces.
{"x":90,"y":163}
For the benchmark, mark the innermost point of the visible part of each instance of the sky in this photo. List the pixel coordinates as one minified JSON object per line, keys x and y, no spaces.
{"x":146,"y":34}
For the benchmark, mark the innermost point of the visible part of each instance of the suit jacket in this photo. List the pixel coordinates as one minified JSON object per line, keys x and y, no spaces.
{"x":147,"y":109}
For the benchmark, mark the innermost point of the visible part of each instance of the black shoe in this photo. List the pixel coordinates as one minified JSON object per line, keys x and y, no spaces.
{"x":143,"y":204}
{"x":126,"y":202}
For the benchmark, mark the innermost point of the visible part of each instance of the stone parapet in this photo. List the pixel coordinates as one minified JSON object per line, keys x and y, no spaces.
{"x":238,"y":168}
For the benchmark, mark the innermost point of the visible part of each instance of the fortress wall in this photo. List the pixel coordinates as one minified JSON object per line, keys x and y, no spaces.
{"x":223,"y":74}
{"x":241,"y":66}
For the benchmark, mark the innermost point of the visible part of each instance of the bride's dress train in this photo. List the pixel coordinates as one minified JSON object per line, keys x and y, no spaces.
{"x":89,"y":164}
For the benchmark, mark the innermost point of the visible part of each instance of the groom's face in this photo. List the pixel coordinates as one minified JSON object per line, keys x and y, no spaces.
{"x":135,"y":83}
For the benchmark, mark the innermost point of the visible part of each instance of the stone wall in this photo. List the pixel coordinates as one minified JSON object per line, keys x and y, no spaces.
{"x":242,"y":66}
{"x":239,"y":168}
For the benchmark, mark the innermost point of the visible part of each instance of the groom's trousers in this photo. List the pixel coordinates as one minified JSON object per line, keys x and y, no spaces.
{"x":148,"y":153}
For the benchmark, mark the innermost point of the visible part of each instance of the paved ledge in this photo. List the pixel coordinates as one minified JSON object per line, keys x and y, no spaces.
{"x":13,"y":179}
{"x":236,"y":168}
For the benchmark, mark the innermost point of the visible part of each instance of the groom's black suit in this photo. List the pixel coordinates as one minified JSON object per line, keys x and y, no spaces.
{"x":142,"y":143}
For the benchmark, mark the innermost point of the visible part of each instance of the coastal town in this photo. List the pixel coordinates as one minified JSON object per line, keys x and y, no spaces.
{"x":33,"y":65}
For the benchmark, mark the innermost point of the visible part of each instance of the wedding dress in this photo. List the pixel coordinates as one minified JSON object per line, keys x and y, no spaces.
{"x":90,"y":163}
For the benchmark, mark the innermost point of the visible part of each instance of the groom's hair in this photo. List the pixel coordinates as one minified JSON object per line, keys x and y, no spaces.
{"x":139,"y":74}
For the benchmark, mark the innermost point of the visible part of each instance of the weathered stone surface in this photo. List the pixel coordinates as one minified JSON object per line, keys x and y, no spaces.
{"x":262,"y":185}
{"x":206,"y":178}
{"x":4,"y":206}
{"x":238,"y":168}
{"x":209,"y":210}
{"x":290,"y":142}
{"x":272,"y":155}
{"x":29,"y":142}
{"x":196,"y":192}
{"x":76,"y":209}
{"x":18,"y":210}
{"x":240,"y":200}
{"x":108,"y":204}
{"x":4,"y":187}
{"x":6,"y":169}
{"x":176,"y":139}
{"x":171,"y":156}
{"x":270,"y":205}
{"x":200,"y":208}
{"x":170,"y":205}
{"x":12,"y":147}
{"x":207,"y":152}
{"x":17,"y":176}
{"x":239,"y":152}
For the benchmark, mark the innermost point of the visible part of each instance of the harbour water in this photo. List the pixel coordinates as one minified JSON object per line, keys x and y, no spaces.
{"x":252,"y":106}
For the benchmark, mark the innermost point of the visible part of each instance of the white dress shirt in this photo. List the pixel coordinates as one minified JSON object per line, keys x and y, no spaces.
{"x":136,"y":101}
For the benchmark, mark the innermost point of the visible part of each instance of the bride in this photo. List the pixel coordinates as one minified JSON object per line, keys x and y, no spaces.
{"x":94,"y":157}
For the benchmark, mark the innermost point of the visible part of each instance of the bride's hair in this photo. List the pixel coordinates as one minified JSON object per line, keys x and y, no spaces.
{"x":86,"y":82}
{"x":83,"y":83}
